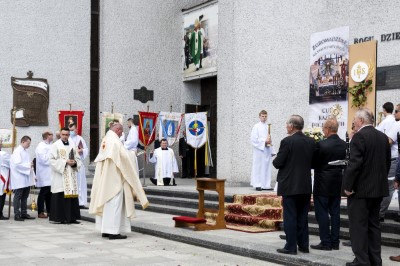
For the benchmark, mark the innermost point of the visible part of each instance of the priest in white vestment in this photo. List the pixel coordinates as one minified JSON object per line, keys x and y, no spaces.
{"x":43,"y":174}
{"x":262,"y":154}
{"x":65,"y":163}
{"x":21,"y":179}
{"x":116,"y":185}
{"x":83,"y":151}
{"x":4,"y":181}
{"x":166,"y":165}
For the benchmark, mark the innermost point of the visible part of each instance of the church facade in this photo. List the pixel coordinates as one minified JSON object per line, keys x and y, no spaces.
{"x":94,"y":54}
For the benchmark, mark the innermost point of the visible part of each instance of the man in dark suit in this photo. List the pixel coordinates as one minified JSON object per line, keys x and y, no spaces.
{"x":327,"y":185}
{"x":294,"y":161}
{"x":365,"y":184}
{"x":184,"y":155}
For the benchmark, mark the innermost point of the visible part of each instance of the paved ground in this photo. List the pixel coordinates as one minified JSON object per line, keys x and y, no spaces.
{"x":37,"y":242}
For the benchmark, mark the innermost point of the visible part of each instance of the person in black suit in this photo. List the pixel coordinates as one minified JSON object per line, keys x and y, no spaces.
{"x":365,"y":184}
{"x":184,"y":155}
{"x":294,"y":161}
{"x":327,"y":185}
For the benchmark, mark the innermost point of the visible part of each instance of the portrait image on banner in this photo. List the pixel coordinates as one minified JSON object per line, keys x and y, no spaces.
{"x":66,"y":118}
{"x":169,"y":126}
{"x":196,"y":129}
{"x":147,"y":127}
{"x":107,"y":119}
{"x":200,"y":41}
{"x":329,"y":77}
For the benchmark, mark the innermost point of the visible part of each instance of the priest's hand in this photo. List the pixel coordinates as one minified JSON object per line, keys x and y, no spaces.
{"x":71,"y":162}
{"x":80,"y":151}
{"x":348,"y":193}
{"x":396,"y":184}
{"x":268,"y":140}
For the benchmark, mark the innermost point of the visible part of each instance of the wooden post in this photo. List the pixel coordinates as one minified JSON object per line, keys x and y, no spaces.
{"x":12,"y":150}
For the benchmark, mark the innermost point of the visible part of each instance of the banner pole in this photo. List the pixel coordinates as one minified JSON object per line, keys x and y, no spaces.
{"x":12,"y":150}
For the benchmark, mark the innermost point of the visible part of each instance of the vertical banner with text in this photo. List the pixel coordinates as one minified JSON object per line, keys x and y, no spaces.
{"x":329,"y":77}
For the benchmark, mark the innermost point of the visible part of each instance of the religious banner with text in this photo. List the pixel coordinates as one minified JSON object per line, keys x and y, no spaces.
{"x":147,"y":127}
{"x":196,"y":129}
{"x":107,"y":119}
{"x":169,"y":126}
{"x":67,"y":118}
{"x":362,"y":85}
{"x":329,"y":78}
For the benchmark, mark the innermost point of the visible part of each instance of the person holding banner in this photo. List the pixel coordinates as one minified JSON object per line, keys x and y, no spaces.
{"x":166,"y":165}
{"x":262,"y":153}
{"x":22,"y":178}
{"x":4,"y":174}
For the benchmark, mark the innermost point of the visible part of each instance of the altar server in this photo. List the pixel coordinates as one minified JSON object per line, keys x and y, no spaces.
{"x":166,"y":165}
{"x":4,"y":181}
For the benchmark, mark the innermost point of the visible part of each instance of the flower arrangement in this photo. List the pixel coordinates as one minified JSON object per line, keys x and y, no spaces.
{"x":314,"y":133}
{"x":359,"y":92}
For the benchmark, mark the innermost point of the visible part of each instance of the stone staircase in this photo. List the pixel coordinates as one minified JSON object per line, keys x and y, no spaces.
{"x":185,"y":203}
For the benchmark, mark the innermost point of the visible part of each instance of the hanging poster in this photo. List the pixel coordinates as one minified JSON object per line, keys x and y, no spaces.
{"x":169,"y":126}
{"x":329,"y":77}
{"x":67,"y":118}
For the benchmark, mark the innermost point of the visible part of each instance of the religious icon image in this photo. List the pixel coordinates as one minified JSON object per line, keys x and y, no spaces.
{"x":69,"y":120}
{"x":169,"y":128}
{"x":148,"y":125}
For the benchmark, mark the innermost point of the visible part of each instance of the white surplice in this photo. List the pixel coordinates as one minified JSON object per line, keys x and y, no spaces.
{"x":43,"y":170}
{"x":262,"y":160}
{"x":82,"y":183}
{"x":21,"y":169}
{"x":132,"y":139}
{"x":166,"y":164}
{"x":4,"y":170}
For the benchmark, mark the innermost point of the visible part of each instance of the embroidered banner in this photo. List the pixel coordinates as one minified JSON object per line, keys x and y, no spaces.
{"x":7,"y":137}
{"x":67,"y":118}
{"x":108,"y":119}
{"x":169,"y":126}
{"x":196,"y":129}
{"x":147,"y":127}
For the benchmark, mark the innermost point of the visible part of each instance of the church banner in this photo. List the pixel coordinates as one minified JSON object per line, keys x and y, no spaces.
{"x":196,"y":129}
{"x":169,"y":126}
{"x":107,"y":119}
{"x":6,"y":137}
{"x":147,"y":127}
{"x":329,"y":77}
{"x":67,"y":118}
{"x":200,"y":41}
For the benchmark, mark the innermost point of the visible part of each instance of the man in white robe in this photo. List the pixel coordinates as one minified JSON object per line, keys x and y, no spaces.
{"x":132,"y":139}
{"x":166,"y":165}
{"x":65,"y":163}
{"x":116,"y":185}
{"x":4,"y":181}
{"x":22,"y":178}
{"x":83,"y":151}
{"x":262,"y":154}
{"x":43,"y":174}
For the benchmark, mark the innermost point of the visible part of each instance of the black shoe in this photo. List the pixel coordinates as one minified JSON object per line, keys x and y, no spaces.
{"x":267,"y":189}
{"x":3,"y":218}
{"x":304,"y":250}
{"x":74,"y":222}
{"x":381,"y":220}
{"x":258,"y":189}
{"x":347,"y":243}
{"x":105,"y":235}
{"x":119,"y":236}
{"x":321,"y":247}
{"x":282,"y":237}
{"x":353,"y":263}
{"x":285,"y":251}
{"x":83,"y":207}
{"x":335,"y":247}
{"x":27,"y":217}
{"x":397,"y":219}
{"x":18,"y":218}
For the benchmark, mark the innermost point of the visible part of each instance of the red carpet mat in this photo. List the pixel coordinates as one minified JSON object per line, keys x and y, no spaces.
{"x":254,"y":213}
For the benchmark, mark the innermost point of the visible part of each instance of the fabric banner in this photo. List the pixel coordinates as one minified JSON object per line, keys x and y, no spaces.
{"x":7,"y":137}
{"x":67,"y":118}
{"x":329,"y":77}
{"x":107,"y":119}
{"x":196,"y":129}
{"x":169,"y":127}
{"x":147,"y":127}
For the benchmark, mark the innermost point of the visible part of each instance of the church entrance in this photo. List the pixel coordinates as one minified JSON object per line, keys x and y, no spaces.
{"x":208,"y":104}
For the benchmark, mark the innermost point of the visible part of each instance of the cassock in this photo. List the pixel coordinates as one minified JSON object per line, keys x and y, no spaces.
{"x":43,"y":170}
{"x":79,"y":142}
{"x":262,"y":161}
{"x":116,"y":185}
{"x":166,"y":164}
{"x":22,"y":175}
{"x":64,"y":184}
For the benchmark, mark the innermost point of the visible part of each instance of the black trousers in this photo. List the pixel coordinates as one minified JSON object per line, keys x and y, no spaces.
{"x":2,"y":202}
{"x":44,"y":197}
{"x":20,"y":200}
{"x":327,"y":212}
{"x":185,"y":166}
{"x":295,"y":221}
{"x":365,"y":231}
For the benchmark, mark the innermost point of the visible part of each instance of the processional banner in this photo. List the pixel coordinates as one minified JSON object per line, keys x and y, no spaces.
{"x":196,"y":129}
{"x":7,"y":137}
{"x":67,"y":118}
{"x":329,"y":77}
{"x":169,"y":126}
{"x":147,"y":127}
{"x":108,"y":119}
